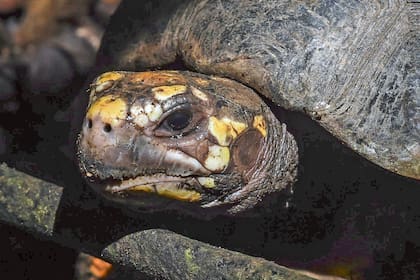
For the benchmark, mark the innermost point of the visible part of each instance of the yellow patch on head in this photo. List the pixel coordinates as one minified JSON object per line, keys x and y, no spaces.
{"x":179,"y":194}
{"x":206,"y":182}
{"x":138,"y":115}
{"x":153,"y":111}
{"x":158,"y":78}
{"x":109,"y":109}
{"x":104,"y":86}
{"x":164,"y":92}
{"x":260,"y":124}
{"x":225,"y":130}
{"x":108,"y":76}
{"x":217,"y":158}
{"x":199,"y":94}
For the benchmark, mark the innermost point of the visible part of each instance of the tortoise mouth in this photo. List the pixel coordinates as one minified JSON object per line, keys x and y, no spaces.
{"x":132,"y":184}
{"x":187,"y":189}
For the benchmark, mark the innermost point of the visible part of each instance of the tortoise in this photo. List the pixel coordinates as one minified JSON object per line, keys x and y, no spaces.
{"x":206,"y":137}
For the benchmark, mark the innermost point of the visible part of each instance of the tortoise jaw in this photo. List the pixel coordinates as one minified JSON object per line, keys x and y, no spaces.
{"x":172,"y":187}
{"x":191,"y":189}
{"x":129,"y":184}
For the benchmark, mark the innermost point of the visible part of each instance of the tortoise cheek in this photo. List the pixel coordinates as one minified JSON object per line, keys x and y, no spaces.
{"x":245,"y":151}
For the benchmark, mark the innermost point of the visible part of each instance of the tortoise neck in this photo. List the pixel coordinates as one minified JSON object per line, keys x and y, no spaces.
{"x":276,"y":166}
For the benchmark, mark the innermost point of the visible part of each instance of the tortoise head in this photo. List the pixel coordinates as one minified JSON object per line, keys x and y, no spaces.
{"x":154,"y":139}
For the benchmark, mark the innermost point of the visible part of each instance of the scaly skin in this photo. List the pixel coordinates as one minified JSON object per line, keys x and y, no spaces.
{"x":184,"y":136}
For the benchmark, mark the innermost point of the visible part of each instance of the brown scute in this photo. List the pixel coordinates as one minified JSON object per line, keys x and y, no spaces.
{"x":246,"y":149}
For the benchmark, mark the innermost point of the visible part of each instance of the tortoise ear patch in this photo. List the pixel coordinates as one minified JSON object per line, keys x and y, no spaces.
{"x":246,"y":149}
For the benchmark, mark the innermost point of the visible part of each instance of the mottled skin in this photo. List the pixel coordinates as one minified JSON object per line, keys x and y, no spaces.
{"x":351,"y":65}
{"x":185,"y":136}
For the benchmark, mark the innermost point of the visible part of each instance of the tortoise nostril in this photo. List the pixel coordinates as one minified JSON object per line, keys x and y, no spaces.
{"x":107,"y":127}
{"x":89,"y":124}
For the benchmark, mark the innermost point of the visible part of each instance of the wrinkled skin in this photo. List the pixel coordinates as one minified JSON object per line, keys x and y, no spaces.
{"x":183,"y":136}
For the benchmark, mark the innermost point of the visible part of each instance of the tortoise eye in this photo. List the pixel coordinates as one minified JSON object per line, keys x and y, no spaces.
{"x":178,"y":120}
